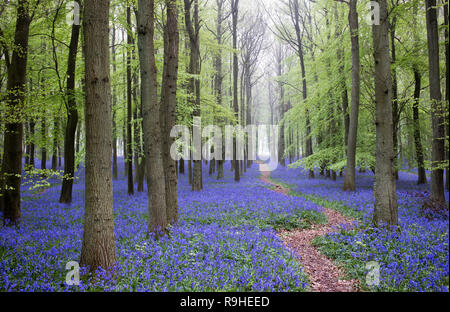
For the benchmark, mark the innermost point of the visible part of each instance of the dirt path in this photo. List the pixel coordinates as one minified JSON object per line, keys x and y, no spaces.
{"x":323,"y":274}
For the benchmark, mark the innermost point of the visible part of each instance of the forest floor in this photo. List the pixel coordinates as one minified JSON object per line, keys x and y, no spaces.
{"x":323,"y":274}
{"x":235,"y":237}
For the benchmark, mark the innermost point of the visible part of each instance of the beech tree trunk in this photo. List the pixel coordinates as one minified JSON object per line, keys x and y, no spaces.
{"x":72,"y":119}
{"x":15,"y":97}
{"x":422,"y":177}
{"x":114,"y":105}
{"x":129,"y":159}
{"x":99,"y":247}
{"x":385,"y":211}
{"x":349,"y":182}
{"x":156,"y":184}
{"x":44,"y":142}
{"x":169,"y":107}
{"x":55,"y":143}
{"x":447,"y":91}
{"x":193,"y":31}
{"x":235,"y":15}
{"x":437,"y":113}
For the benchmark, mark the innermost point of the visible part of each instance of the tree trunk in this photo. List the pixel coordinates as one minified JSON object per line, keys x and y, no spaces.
{"x":114,"y":105}
{"x":218,"y":76}
{"x":44,"y":142}
{"x":193,"y":29}
{"x":235,"y":15}
{"x":151,"y":123}
{"x":169,"y":106}
{"x":437,"y":115}
{"x":447,"y":91}
{"x":384,"y":186}
{"x":129,"y":159}
{"x":349,"y":182}
{"x":55,"y":144}
{"x":395,"y":110}
{"x":422,"y":177}
{"x":99,"y":247}
{"x":72,"y":119}
{"x":12,"y":155}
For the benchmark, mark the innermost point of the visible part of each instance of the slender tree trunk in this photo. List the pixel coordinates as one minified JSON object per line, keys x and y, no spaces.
{"x":55,"y":144}
{"x":422,"y":177}
{"x":151,"y":121}
{"x":395,"y":110}
{"x":219,"y":77}
{"x":447,"y":91}
{"x":437,"y":119}
{"x":99,"y":247}
{"x":12,"y":155}
{"x":193,"y":28}
{"x":32,"y":146}
{"x":235,"y":15}
{"x":129,"y":159}
{"x":384,"y":187}
{"x":181,"y":164}
{"x":72,"y":119}
{"x":349,"y":182}
{"x":114,"y":106}
{"x":44,"y":142}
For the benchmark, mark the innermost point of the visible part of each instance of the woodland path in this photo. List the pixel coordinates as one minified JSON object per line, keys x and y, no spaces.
{"x":324,"y":276}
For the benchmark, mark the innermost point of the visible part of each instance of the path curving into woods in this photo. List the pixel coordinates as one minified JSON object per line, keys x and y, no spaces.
{"x":324,"y":276}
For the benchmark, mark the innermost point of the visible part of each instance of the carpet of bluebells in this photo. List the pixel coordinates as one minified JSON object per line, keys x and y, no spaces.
{"x":226,"y":237}
{"x":413,"y":257}
{"x":225,"y":240}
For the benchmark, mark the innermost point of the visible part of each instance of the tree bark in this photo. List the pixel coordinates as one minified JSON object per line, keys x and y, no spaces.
{"x":447,"y":91}
{"x":114,"y":106}
{"x":193,"y":29}
{"x":385,"y":211}
{"x":422,"y":177}
{"x":437,"y":115}
{"x":169,"y":107}
{"x":395,"y":109}
{"x":44,"y":142}
{"x":55,"y":143}
{"x":151,"y":122}
{"x":99,"y":247}
{"x":72,"y":119}
{"x":12,"y":155}
{"x":349,"y":182}
{"x":235,"y":15}
{"x":129,"y":159}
